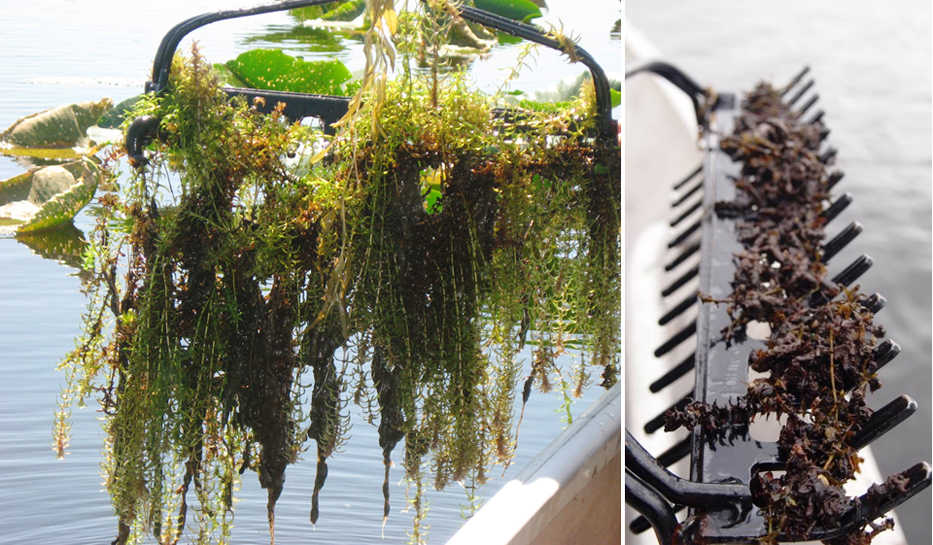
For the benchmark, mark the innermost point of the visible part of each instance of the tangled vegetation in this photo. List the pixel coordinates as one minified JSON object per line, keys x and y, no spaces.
{"x":238,"y":307}
{"x":822,"y":354}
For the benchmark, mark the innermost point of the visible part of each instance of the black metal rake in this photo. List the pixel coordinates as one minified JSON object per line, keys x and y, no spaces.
{"x":330,"y":109}
{"x":719,"y":490}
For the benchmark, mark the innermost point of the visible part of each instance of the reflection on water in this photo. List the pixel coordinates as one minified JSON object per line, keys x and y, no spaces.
{"x":297,"y":38}
{"x":65,"y":244}
{"x":63,"y":52}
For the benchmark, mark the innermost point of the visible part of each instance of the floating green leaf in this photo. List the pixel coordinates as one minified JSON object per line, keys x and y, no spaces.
{"x":342,"y":11}
{"x":520,"y":10}
{"x":345,"y":11}
{"x":508,"y":38}
{"x":46,"y":154}
{"x":60,"y":127}
{"x":15,"y":188}
{"x":272,"y":69}
{"x":113,"y":118}
{"x":226,"y":77}
{"x":306,"y":13}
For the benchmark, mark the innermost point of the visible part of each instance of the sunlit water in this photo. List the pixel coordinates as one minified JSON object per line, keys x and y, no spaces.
{"x":871,"y":62}
{"x":59,"y":52}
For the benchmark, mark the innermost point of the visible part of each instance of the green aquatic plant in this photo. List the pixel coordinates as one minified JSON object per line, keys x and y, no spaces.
{"x":272,"y":69}
{"x":238,"y":308}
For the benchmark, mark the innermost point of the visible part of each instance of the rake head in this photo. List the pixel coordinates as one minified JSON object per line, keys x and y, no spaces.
{"x":750,"y":235}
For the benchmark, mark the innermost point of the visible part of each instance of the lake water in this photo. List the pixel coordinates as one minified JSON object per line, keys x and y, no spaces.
{"x":871,"y":62}
{"x":60,"y":52}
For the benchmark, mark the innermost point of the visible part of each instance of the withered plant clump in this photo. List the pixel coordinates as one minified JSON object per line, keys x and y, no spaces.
{"x":820,"y":355}
{"x":239,"y":307}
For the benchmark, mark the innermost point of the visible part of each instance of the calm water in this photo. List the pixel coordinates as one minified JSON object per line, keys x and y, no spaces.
{"x":871,"y":61}
{"x":58,"y":52}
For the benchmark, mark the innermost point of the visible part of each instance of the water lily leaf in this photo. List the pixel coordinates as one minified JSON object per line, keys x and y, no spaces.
{"x":61,"y":127}
{"x":431,"y":204}
{"x":508,"y":38}
{"x":226,"y":76}
{"x":345,"y":11}
{"x":342,"y":11}
{"x":15,"y":188}
{"x":272,"y":69}
{"x":50,"y":196}
{"x":43,"y":154}
{"x":615,"y":97}
{"x":113,"y":118}
{"x":307,"y":13}
{"x":520,"y":10}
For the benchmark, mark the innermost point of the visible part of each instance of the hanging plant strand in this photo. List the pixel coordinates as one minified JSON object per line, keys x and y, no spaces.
{"x":428,"y":248}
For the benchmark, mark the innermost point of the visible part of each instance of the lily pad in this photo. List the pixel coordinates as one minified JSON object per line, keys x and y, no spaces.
{"x":272,"y":69}
{"x":113,"y":118}
{"x":42,"y":154}
{"x":342,"y":11}
{"x":61,"y":127}
{"x":226,"y":76}
{"x":47,"y":197}
{"x":520,"y":10}
{"x":345,"y":11}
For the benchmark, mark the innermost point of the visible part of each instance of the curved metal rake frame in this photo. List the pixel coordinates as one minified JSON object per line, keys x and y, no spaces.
{"x":330,"y":108}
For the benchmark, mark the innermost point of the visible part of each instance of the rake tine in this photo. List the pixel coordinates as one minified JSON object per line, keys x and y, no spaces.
{"x":693,"y":189}
{"x":680,"y":281}
{"x":840,"y":241}
{"x":875,"y":302}
{"x":657,"y":422}
{"x":796,"y":79}
{"x":828,"y":156}
{"x":674,"y":373}
{"x":883,"y":420}
{"x":817,"y":117}
{"x":685,"y":234}
{"x":678,"y":309}
{"x":689,"y":177}
{"x":807,"y":105}
{"x":676,"y":453}
{"x":678,"y":338}
{"x":871,"y":505}
{"x":693,"y":208}
{"x":856,"y":269}
{"x":885,"y":352}
{"x":683,"y":256}
{"x":799,"y":94}
{"x":837,"y":207}
{"x":834,"y":178}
